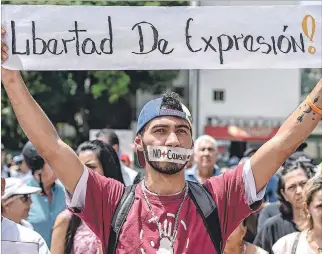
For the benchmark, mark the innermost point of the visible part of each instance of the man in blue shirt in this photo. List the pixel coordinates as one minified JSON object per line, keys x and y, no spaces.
{"x":205,"y":156}
{"x":271,"y":191}
{"x":50,"y":202}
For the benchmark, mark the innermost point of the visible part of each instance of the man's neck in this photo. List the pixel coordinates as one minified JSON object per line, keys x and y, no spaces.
{"x":163,"y":184}
{"x":12,"y":218}
{"x":234,"y":248}
{"x":48,"y":191}
{"x":204,"y":173}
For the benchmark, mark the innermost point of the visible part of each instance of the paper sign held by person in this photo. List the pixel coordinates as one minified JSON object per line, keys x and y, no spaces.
{"x":19,"y":247}
{"x":118,"y":38}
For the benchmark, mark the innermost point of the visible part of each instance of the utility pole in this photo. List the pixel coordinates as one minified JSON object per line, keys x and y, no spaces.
{"x":194,"y":77}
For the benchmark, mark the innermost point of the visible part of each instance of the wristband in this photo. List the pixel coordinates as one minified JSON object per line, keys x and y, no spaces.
{"x":312,"y":106}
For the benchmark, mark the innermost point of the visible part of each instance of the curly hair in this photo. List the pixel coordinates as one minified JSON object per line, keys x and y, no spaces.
{"x":286,"y":207}
{"x":312,"y":186}
{"x":171,"y":100}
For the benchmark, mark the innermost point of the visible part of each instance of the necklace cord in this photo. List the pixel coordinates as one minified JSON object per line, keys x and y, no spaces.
{"x":156,"y":220}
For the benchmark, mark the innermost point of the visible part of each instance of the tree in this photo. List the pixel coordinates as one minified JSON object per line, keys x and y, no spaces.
{"x":82,"y":99}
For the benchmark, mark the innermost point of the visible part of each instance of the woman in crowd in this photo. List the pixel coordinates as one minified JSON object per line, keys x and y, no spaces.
{"x":308,"y":241}
{"x":71,"y":234}
{"x":236,"y":245}
{"x":293,"y":177}
{"x":16,"y":201}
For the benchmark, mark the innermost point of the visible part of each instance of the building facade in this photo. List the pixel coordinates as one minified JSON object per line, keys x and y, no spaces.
{"x":243,"y":108}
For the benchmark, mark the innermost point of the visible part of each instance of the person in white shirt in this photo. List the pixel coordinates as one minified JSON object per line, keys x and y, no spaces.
{"x":308,"y":241}
{"x":19,"y":239}
{"x":16,"y":201}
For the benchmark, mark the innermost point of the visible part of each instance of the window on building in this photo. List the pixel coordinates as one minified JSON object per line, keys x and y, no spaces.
{"x":179,"y":90}
{"x":219,"y":95}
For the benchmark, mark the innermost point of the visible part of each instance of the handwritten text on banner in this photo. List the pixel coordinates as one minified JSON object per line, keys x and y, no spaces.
{"x":103,"y":38}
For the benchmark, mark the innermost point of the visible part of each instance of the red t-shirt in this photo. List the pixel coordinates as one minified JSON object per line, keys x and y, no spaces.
{"x":140,"y":234}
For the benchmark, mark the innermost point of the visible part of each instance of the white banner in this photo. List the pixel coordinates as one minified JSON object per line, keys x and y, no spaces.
{"x":114,"y":38}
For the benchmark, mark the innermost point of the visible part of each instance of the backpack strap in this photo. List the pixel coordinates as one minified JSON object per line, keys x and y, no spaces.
{"x":199,"y":194}
{"x":119,"y":217}
{"x":296,"y":242}
{"x":139,"y":177}
{"x":208,"y":211}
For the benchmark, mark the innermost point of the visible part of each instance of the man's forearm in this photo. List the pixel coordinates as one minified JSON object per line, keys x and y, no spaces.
{"x":301,"y":123}
{"x":292,"y":133}
{"x":31,"y":117}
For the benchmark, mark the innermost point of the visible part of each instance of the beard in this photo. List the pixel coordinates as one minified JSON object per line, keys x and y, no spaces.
{"x":168,"y":168}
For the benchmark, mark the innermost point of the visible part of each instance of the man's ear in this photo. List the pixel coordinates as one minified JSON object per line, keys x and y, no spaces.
{"x":116,"y":148}
{"x":4,"y":206}
{"x":36,"y":175}
{"x":138,"y":143}
{"x":243,"y":231}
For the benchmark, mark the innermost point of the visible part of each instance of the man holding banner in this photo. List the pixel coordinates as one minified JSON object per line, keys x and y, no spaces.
{"x":165,"y":214}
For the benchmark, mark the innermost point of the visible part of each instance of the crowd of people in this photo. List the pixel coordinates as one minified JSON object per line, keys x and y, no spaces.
{"x":35,"y":198}
{"x":91,"y":201}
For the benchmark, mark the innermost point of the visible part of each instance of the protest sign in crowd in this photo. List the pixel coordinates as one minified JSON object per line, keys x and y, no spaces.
{"x":91,"y":200}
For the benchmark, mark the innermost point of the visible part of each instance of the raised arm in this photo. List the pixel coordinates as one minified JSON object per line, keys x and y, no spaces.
{"x":298,"y":126}
{"x":38,"y":128}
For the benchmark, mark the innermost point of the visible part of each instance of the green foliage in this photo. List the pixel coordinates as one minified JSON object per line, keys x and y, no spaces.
{"x":84,"y":99}
{"x":114,"y":82}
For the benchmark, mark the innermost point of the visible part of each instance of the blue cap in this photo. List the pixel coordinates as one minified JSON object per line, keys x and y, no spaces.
{"x":153,"y":109}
